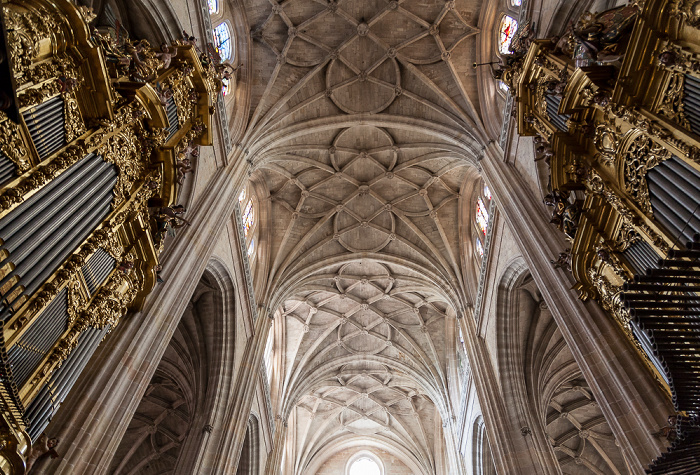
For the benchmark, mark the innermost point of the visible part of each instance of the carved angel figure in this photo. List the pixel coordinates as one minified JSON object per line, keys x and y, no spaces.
{"x":44,"y":447}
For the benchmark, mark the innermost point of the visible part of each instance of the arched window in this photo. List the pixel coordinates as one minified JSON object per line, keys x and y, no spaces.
{"x":505,"y":33}
{"x":364,"y":466}
{"x":248,"y":218}
{"x":482,"y":215}
{"x":516,"y":3}
{"x":479,"y":247}
{"x":247,"y":207}
{"x":481,"y":219}
{"x":227,"y":85}
{"x":222,"y":41}
{"x":213,"y":6}
{"x":364,"y":463}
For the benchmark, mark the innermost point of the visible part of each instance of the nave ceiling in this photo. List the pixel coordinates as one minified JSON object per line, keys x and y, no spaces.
{"x":363,"y":137}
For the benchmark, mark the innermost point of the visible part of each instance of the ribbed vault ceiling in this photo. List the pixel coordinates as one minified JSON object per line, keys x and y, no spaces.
{"x":363,"y":134}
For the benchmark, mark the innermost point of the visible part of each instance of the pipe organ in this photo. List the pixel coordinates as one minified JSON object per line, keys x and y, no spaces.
{"x":88,"y":184}
{"x":614,"y":106}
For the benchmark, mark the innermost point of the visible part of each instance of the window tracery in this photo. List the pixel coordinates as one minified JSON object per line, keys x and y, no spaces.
{"x":222,"y":41}
{"x":213,"y":6}
{"x":482,"y":215}
{"x":248,"y":218}
{"x":506,"y":32}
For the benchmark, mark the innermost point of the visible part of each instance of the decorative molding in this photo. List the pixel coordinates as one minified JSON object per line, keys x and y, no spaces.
{"x":268,"y":400}
{"x":220,"y":104}
{"x":484,"y":263}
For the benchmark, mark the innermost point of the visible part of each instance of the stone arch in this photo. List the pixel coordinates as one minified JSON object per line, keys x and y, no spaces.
{"x":545,"y":395}
{"x":249,"y":461}
{"x":482,"y":458}
{"x":187,"y":393}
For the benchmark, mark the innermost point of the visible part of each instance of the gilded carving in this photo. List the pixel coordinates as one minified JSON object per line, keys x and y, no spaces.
{"x":121,"y":150}
{"x":24,"y":32}
{"x":12,"y":145}
{"x":642,"y":155}
{"x":609,"y":297}
{"x":111,"y":302}
{"x":687,"y":10}
{"x":37,"y":95}
{"x":672,"y":100}
{"x":74,"y":124}
{"x":76,"y":300}
{"x":597,"y":185}
{"x":606,"y":141}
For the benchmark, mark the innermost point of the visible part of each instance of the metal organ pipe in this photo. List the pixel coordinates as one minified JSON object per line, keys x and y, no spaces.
{"x":40,"y":233}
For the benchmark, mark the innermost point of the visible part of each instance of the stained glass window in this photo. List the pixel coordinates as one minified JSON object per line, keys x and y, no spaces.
{"x":222,"y":41}
{"x":251,"y":247}
{"x":502,"y":86}
{"x":226,"y":84}
{"x":241,"y":197}
{"x":479,"y":247}
{"x":516,"y":3}
{"x":508,"y":28}
{"x":482,"y":215}
{"x":487,"y":192}
{"x":248,"y":218}
{"x":213,"y":6}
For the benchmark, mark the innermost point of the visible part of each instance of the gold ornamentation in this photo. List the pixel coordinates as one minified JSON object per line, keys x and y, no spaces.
{"x":627,"y":236}
{"x":597,"y":185}
{"x":62,"y":66}
{"x":76,"y":300}
{"x":121,"y":150}
{"x":12,"y":145}
{"x":110,"y":303}
{"x":642,"y":155}
{"x":672,"y":100}
{"x":36,"y":95}
{"x":688,"y":10}
{"x":609,"y":297}
{"x":606,"y":142}
{"x":74,"y":125}
{"x":24,"y":32}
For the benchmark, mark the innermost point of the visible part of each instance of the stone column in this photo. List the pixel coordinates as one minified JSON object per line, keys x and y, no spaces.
{"x":512,"y":453}
{"x":236,"y":420}
{"x":97,"y":412}
{"x":632,"y":402}
{"x":274,"y":459}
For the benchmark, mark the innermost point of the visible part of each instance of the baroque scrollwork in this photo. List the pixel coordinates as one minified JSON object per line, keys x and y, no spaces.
{"x":687,"y":11}
{"x":74,"y":124}
{"x":609,"y":297}
{"x":606,"y":141}
{"x":12,"y":145}
{"x":672,"y":100}
{"x":597,"y":185}
{"x":25,"y":31}
{"x":642,"y":155}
